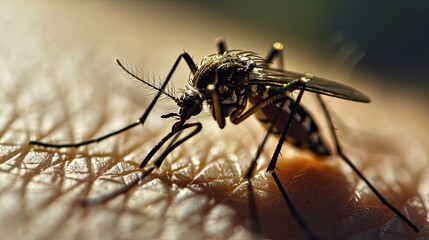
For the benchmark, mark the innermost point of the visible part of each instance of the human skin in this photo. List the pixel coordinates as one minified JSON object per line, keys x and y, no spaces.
{"x":59,"y":84}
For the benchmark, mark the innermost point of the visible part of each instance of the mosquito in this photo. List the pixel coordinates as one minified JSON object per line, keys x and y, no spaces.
{"x":237,"y":84}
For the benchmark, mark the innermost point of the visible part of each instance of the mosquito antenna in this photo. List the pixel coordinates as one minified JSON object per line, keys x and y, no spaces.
{"x":152,"y":85}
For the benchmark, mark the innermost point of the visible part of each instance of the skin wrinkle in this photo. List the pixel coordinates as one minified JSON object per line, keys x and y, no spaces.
{"x":193,"y":185}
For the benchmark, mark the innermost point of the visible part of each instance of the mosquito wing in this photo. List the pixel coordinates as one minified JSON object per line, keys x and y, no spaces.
{"x":315,"y":84}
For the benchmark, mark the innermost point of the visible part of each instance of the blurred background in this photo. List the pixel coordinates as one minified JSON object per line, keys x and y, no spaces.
{"x":59,"y":83}
{"x":387,"y":38}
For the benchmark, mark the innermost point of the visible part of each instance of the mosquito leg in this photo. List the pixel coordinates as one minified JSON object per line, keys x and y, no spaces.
{"x":238,"y":117}
{"x":75,"y":145}
{"x":212,"y":91}
{"x":148,"y":170}
{"x":198,"y":126}
{"x":252,"y":166}
{"x":256,"y":225}
{"x":211,"y":88}
{"x":276,"y":51}
{"x":249,"y":174}
{"x":141,"y":120}
{"x":221,"y":45}
{"x":356,"y":170}
{"x":272,"y":165}
{"x":292,"y":208}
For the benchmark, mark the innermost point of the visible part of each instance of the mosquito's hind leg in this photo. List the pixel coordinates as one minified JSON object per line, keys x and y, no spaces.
{"x":340,"y":152}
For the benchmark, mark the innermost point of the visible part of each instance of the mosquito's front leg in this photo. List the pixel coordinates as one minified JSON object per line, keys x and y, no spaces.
{"x":144,"y":116}
{"x":151,"y":168}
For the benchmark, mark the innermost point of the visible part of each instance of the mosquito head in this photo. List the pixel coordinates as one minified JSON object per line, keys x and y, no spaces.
{"x":190,"y":104}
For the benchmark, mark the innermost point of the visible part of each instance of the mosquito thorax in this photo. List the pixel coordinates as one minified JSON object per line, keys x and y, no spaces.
{"x":229,"y":72}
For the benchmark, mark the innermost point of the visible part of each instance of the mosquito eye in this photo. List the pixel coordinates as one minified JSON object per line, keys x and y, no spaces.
{"x":250,"y":67}
{"x":191,"y":107}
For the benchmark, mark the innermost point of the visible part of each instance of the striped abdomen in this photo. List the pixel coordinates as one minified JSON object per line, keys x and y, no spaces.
{"x":303,"y":133}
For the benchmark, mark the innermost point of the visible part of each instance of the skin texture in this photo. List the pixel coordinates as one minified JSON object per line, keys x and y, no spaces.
{"x":59,"y":83}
